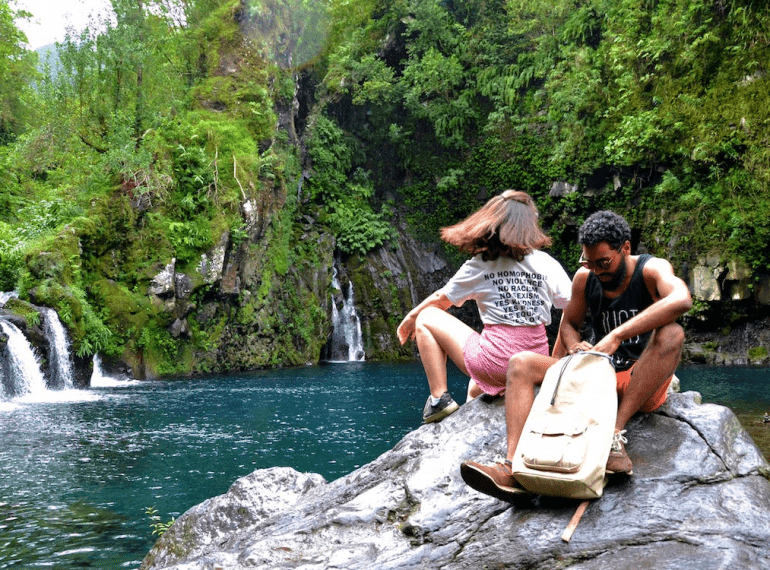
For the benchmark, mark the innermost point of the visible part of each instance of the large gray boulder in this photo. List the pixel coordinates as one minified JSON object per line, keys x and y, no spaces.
{"x":699,"y":498}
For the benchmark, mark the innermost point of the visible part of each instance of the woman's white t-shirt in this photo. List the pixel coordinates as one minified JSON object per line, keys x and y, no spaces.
{"x":510,"y":292}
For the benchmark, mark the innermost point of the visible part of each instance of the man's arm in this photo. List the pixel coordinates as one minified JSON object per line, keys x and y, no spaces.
{"x":671,"y":300}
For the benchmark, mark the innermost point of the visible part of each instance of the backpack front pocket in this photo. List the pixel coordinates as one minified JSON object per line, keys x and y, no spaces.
{"x":559,"y":447}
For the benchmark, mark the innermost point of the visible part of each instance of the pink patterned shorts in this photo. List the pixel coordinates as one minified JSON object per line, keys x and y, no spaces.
{"x":486,"y":355}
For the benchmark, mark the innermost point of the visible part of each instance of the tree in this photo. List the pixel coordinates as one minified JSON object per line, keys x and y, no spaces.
{"x":17,"y":74}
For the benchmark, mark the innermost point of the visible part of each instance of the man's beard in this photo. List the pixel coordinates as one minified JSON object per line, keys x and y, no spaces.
{"x":617,"y":278}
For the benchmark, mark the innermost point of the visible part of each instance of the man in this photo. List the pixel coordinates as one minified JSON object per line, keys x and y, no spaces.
{"x":632,"y":301}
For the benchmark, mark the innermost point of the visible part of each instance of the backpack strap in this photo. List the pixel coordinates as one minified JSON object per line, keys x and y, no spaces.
{"x":566,"y":362}
{"x":567,"y":534}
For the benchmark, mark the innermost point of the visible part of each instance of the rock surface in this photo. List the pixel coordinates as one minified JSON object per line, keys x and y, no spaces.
{"x":699,"y":498}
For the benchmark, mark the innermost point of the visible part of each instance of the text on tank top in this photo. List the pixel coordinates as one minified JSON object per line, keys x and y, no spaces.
{"x":608,"y":314}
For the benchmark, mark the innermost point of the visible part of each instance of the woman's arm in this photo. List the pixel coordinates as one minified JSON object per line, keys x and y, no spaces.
{"x":405,"y":330}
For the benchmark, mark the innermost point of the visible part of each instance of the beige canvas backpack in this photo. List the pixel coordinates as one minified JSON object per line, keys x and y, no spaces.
{"x":563,"y":449}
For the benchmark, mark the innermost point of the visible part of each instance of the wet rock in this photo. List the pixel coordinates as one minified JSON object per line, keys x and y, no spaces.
{"x":212,"y":263}
{"x":561,"y":188}
{"x":699,"y":498}
{"x":163,"y":283}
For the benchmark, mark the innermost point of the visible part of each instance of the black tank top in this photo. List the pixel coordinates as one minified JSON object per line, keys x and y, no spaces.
{"x":608,"y":314}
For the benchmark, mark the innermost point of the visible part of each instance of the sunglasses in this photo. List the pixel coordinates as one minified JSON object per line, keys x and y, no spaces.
{"x":602,"y":264}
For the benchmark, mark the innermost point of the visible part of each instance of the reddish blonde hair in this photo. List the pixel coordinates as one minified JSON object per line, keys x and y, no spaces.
{"x":505,"y":225}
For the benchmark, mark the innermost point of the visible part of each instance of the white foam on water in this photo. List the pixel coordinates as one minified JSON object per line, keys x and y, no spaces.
{"x":99,"y":380}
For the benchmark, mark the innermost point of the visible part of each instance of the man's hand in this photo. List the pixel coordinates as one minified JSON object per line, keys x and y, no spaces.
{"x":578,"y":346}
{"x":609,"y":344}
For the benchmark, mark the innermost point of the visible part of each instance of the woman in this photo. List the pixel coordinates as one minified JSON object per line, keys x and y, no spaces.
{"x":514,"y":285}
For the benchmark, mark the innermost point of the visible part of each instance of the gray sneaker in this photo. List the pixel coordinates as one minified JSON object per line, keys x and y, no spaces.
{"x":446,"y":406}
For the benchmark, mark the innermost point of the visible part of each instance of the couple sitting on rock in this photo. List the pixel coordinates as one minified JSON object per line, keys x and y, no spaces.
{"x":632,"y":302}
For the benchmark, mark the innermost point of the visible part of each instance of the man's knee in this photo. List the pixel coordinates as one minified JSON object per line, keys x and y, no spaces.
{"x":668,"y":338}
{"x":521,"y":369}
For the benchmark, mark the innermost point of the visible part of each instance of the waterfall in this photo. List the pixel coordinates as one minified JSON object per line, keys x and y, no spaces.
{"x":21,"y":372}
{"x":346,"y":342}
{"x":100,"y":380}
{"x":61,"y":364}
{"x":351,"y":324}
{"x":5,"y":296}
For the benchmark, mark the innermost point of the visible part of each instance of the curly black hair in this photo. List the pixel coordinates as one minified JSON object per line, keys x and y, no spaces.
{"x":604,"y":226}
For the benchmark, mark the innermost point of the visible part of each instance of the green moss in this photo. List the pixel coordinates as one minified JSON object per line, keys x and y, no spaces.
{"x":758,"y":353}
{"x":25,"y":310}
{"x":56,"y":257}
{"x":162,"y":355}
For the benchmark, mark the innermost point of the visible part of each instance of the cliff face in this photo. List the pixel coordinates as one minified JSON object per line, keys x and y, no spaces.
{"x":264,"y":299}
{"x":388,"y":283}
{"x":700,"y":497}
{"x":730,"y":324}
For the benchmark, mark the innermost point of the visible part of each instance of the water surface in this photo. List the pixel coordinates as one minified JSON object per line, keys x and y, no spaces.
{"x":79,"y":468}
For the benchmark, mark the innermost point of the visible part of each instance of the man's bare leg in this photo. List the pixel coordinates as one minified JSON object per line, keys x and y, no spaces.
{"x":655,"y":366}
{"x":525,"y":371}
{"x":653,"y":369}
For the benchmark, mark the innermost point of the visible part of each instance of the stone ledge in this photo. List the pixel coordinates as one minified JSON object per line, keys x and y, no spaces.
{"x":700,"y":497}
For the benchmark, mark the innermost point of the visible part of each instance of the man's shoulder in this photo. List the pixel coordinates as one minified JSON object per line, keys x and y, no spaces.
{"x":580,"y":281}
{"x":654,"y":265}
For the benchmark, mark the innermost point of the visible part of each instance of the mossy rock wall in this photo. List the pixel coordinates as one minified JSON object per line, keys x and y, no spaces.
{"x":388,"y":283}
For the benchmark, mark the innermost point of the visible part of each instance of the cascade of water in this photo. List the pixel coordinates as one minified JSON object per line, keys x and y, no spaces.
{"x":347,"y":341}
{"x":61,"y":364}
{"x":97,"y":375}
{"x":352,"y":327}
{"x":335,"y":347}
{"x":6,"y":295}
{"x":101,"y":380}
{"x":23,"y":374}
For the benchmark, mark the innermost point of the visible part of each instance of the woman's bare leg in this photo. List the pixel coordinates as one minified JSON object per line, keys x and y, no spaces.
{"x":440,"y":335}
{"x":473,"y":390}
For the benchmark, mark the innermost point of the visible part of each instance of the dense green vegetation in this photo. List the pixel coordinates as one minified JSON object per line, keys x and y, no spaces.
{"x":179,"y":123}
{"x":656,"y":108}
{"x":145,"y":147}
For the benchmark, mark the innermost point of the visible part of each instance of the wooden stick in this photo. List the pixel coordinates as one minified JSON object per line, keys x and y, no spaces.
{"x":567,"y":534}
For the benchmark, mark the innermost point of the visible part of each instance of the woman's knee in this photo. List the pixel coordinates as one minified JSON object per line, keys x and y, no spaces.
{"x":428,"y":315}
{"x":424,"y":320}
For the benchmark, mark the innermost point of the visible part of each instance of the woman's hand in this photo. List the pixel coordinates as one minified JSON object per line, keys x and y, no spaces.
{"x":405,"y":330}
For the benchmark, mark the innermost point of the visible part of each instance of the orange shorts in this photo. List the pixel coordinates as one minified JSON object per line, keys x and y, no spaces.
{"x":654,"y":402}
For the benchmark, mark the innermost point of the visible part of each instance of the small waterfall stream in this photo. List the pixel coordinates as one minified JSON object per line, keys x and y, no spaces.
{"x":61,"y":364}
{"x":30,"y":372}
{"x":346,"y":343}
{"x":22,"y":373}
